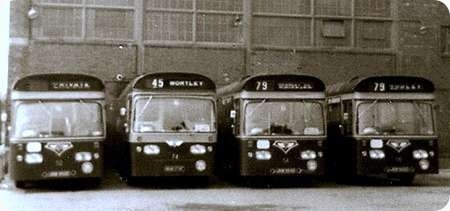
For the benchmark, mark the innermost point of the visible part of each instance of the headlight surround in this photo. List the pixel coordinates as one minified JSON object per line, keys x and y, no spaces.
{"x":198,"y":149}
{"x":308,"y":155}
{"x":83,"y":156}
{"x":151,"y":149}
{"x":34,"y":158}
{"x":377,"y":154}
{"x":33,"y":147}
{"x":420,"y":154}
{"x":263,"y":155}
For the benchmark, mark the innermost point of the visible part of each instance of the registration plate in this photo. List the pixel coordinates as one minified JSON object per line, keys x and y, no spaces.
{"x":175,"y":168}
{"x":399,"y":169}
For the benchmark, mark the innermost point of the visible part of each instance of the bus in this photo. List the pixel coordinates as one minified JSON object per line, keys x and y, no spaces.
{"x":167,"y":123}
{"x":57,"y":128}
{"x":3,"y":145}
{"x":383,"y":126}
{"x":272,"y":126}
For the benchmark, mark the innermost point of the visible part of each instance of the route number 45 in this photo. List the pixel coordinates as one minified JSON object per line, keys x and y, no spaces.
{"x":158,"y":83}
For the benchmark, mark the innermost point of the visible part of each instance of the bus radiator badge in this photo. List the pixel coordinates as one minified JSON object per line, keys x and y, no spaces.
{"x":59,"y":147}
{"x":398,"y":145}
{"x":285,"y":146}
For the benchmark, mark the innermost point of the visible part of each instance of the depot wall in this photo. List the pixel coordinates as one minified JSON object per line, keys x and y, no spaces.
{"x":332,"y":39}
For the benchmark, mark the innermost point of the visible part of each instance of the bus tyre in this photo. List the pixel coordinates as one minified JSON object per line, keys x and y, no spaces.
{"x":404,"y":179}
{"x":20,"y":184}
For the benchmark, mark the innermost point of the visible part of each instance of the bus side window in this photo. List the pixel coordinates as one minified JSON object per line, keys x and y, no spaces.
{"x":347,"y":116}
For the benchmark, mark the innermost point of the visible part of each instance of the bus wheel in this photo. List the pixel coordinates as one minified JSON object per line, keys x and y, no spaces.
{"x":20,"y":184}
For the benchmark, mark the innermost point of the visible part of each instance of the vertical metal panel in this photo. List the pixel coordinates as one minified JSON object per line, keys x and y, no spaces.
{"x":61,"y":1}
{"x":219,"y":28}
{"x":283,"y":6}
{"x":173,"y":4}
{"x":220,"y":5}
{"x":373,"y":8}
{"x":58,"y":23}
{"x":373,"y":34}
{"x":333,"y":7}
{"x":111,"y":2}
{"x":168,"y":26}
{"x":110,"y":24}
{"x":280,"y":31}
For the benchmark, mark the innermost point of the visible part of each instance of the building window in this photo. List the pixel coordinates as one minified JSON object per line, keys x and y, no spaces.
{"x":84,"y":19}
{"x":218,"y":21}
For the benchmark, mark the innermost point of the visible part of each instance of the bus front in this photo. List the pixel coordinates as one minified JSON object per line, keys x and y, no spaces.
{"x":282,"y":126}
{"x":173,"y":127}
{"x":399,"y":137}
{"x":56,"y":134}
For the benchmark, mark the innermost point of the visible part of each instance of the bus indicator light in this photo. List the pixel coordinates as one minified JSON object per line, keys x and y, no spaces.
{"x":424,"y":164}
{"x":200,"y":165}
{"x":311,"y":165}
{"x":87,"y":167}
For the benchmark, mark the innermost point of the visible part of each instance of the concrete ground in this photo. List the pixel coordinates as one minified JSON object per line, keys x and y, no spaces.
{"x":428,"y":192}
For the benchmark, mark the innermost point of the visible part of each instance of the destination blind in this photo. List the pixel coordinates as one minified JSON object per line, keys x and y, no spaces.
{"x":284,"y":83}
{"x":59,"y":82}
{"x":395,"y":84}
{"x":174,"y":82}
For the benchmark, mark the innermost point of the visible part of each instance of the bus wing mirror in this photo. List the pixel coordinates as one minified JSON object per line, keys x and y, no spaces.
{"x":123,"y":111}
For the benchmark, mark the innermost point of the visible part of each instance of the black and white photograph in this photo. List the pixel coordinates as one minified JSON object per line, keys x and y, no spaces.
{"x":228,"y":105}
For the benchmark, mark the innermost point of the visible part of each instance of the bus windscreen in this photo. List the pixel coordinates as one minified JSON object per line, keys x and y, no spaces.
{"x":292,"y":118}
{"x":155,"y":114}
{"x":395,"y":118}
{"x":49,"y":119}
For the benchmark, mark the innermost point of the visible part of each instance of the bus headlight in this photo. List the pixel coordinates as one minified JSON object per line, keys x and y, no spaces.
{"x":424,"y":164}
{"x":262,"y":144}
{"x":308,"y":155}
{"x":34,"y":147}
{"x":311,"y":165}
{"x":83,"y":156}
{"x":198,"y":149}
{"x":420,"y":154}
{"x":200,"y":165}
{"x":263,"y":155}
{"x":34,"y":158}
{"x":87,"y":167}
{"x":376,"y":154}
{"x":151,"y":149}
